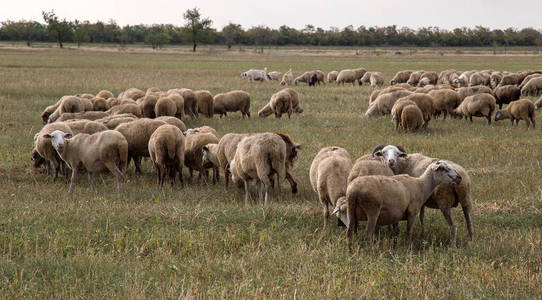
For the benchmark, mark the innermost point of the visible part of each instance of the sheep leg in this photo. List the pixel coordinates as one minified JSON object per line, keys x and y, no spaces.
{"x":466,"y":213}
{"x":191,"y":174}
{"x":292,"y":182}
{"x":410,"y":223}
{"x":56,"y":166}
{"x":260,"y":190}
{"x":157,"y":174}
{"x":247,"y":193}
{"x":323,"y":200}
{"x":91,"y":181}
{"x":112,"y":167}
{"x":137,"y":163}
{"x":422,"y":214}
{"x":453,"y":228}
{"x":269,"y":189}
{"x":226,"y":178}
{"x":74,"y":177}
{"x":445,"y":114}
{"x":179,"y":169}
{"x":489,"y":119}
{"x":470,"y":118}
{"x":215,"y":175}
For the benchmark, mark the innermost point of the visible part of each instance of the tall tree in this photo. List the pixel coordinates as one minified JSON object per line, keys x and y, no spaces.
{"x":60,"y":29}
{"x":80,"y":34}
{"x":232,"y":34}
{"x":197,"y":28}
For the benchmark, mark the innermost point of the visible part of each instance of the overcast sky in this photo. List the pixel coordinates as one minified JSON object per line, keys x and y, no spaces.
{"x":294,"y":13}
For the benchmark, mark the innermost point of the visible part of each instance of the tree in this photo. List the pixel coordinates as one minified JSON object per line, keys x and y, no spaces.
{"x":80,"y":34}
{"x":233,"y":33}
{"x":197,"y":28}
{"x":27,"y":31}
{"x":157,"y":36}
{"x":59,"y":29}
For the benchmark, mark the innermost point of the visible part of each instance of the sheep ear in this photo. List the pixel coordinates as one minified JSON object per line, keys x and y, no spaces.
{"x":336,"y":210}
{"x":47,"y":136}
{"x":401,"y":148}
{"x":68,"y":135}
{"x":298,"y":147}
{"x":378,"y":148}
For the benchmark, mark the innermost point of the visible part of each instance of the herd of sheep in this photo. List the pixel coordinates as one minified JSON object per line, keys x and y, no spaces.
{"x":97,"y":133}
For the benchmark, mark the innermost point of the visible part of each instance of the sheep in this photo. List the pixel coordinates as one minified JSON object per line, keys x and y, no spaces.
{"x":202,"y":129}
{"x":376,"y":79}
{"x":367,"y":165}
{"x":287,"y":78}
{"x":444,"y":197}
{"x":232,"y":101}
{"x":45,"y":149}
{"x":529,"y":77}
{"x":94,"y":153}
{"x":193,"y":158}
{"x":506,"y":93}
{"x":147,"y":105}
{"x":397,"y":110}
{"x":85,"y":126}
{"x":260,"y":156}
{"x":132,"y":93}
{"x":173,"y":121}
{"x":313,"y":80}
{"x":255,"y":75}
{"x":522,"y":109}
{"x":111,"y":122}
{"x":533,"y":87}
{"x":49,"y":110}
{"x":179,"y":103}
{"x":126,"y":109}
{"x":462,"y":80}
{"x":332,"y":76}
{"x":464,"y":92}
{"x":68,"y":104}
{"x":210,"y":159}
{"x":205,"y":103}
{"x":414,"y":78}
{"x":348,"y":76}
{"x":273,"y":75}
{"x":479,"y":105}
{"x":112,"y":102}
{"x":99,"y":104}
{"x":190,"y":102}
{"x":280,"y":103}
{"x":167,"y":150}
{"x":165,"y":107}
{"x":384,"y":103}
{"x":226,"y":151}
{"x":476,"y":79}
{"x":328,"y":175}
{"x":138,"y":133}
{"x":444,"y":101}
{"x":495,"y":79}
{"x":400,"y":77}
{"x":444,"y":76}
{"x":512,"y":78}
{"x":365,"y":78}
{"x":305,"y":77}
{"x":428,"y":78}
{"x":87,"y":115}
{"x":153,"y":91}
{"x":538,"y":103}
{"x":411,"y":118}
{"x":397,"y":87}
{"x":386,"y":200}
{"x":104,"y":94}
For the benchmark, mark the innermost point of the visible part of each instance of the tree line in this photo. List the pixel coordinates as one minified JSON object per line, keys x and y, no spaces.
{"x":197,"y":29}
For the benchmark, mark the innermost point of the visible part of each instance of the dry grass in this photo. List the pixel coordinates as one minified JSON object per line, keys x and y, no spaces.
{"x":200,"y":242}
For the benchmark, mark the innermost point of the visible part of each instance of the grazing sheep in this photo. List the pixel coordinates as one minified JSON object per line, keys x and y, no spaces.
{"x":210,"y":159}
{"x":99,"y":104}
{"x":529,"y":77}
{"x":274,"y":75}
{"x":255,"y":75}
{"x":428,"y":78}
{"x":347,"y":76}
{"x":313,"y":80}
{"x":45,"y":149}
{"x":512,"y":78}
{"x":464,"y":92}
{"x":280,"y":103}
{"x":132,"y":93}
{"x":153,"y":91}
{"x":190,"y":102}
{"x":415,"y":78}
{"x":387,"y":200}
{"x":400,"y":77}
{"x":202,"y":129}
{"x":445,"y":76}
{"x":126,"y":109}
{"x":104,"y":94}
{"x":411,"y":118}
{"x":506,"y":93}
{"x":294,"y":96}
{"x":232,"y":101}
{"x":193,"y":158}
{"x":495,"y":79}
{"x":173,"y":121}
{"x":384,"y":103}
{"x":522,"y":109}
{"x":397,"y":110}
{"x":93,"y":153}
{"x":538,"y":103}
{"x":332,"y":76}
{"x":328,"y":176}
{"x":49,"y":110}
{"x":166,"y":150}
{"x":368,"y":165}
{"x":397,"y":87}
{"x":306,"y":77}
{"x":444,"y":197}
{"x":87,"y":115}
{"x":165,"y":107}
{"x":205,"y":103}
{"x":68,"y":104}
{"x":479,"y":105}
{"x":138,"y":133}
{"x":111,"y":122}
{"x":287,"y":78}
{"x":226,"y":151}
{"x":85,"y":126}
{"x":444,"y":101}
{"x":179,"y":102}
{"x":376,"y":79}
{"x":365,"y":78}
{"x":533,"y":87}
{"x":111,"y":102}
{"x":476,"y":79}
{"x":147,"y":105}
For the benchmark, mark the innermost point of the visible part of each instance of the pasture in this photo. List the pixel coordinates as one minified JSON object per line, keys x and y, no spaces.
{"x":201,"y":241}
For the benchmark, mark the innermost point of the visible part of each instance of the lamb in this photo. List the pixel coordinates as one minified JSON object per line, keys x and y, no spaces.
{"x":384,"y":103}
{"x":232,"y":101}
{"x":147,"y":105}
{"x":332,"y":76}
{"x":280,"y":103}
{"x":444,"y":197}
{"x":522,"y":109}
{"x":400,"y":77}
{"x":255,"y":75}
{"x":273,"y":75}
{"x":415,"y":78}
{"x":68,"y":104}
{"x":193,"y":158}
{"x":210,"y":159}
{"x":260,"y":156}
{"x":506,"y":93}
{"x":167,"y":150}
{"x":411,"y":118}
{"x":328,"y":175}
{"x":165,"y":107}
{"x":138,"y":133}
{"x":95,"y":153}
{"x":179,"y":102}
{"x":287,"y":78}
{"x":45,"y":149}
{"x":533,"y":87}
{"x":444,"y":101}
{"x":105,"y":94}
{"x":87,"y":115}
{"x":479,"y":105}
{"x":132,"y":93}
{"x":428,"y":78}
{"x":205,"y":103}
{"x":387,"y":200}
{"x":126,"y":109}
{"x":85,"y":126}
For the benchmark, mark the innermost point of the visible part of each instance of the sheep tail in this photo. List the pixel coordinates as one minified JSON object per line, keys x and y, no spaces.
{"x":171,"y":149}
{"x":123,"y":156}
{"x":352,"y":227}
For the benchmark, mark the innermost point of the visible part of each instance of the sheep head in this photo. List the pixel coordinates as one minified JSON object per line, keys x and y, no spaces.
{"x":340,"y":210}
{"x":59,"y":140}
{"x":443,"y":172}
{"x":390,"y":155}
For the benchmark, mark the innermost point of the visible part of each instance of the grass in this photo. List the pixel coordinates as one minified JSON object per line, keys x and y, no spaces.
{"x":200,"y":241}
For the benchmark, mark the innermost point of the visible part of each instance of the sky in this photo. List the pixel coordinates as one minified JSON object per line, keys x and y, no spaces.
{"x":294,"y":13}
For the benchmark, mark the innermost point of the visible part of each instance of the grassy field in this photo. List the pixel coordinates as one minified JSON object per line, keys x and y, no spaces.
{"x":201,"y":241}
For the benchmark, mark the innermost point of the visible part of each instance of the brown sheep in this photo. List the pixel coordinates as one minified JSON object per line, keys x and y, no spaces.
{"x":205,"y":103}
{"x":226,"y":151}
{"x":464,"y":92}
{"x":166,"y":150}
{"x":332,"y":76}
{"x":85,"y":126}
{"x":87,"y":115}
{"x":45,"y":148}
{"x":479,"y":105}
{"x":132,"y":93}
{"x":529,"y":77}
{"x":384,"y":103}
{"x":165,"y":107}
{"x":428,"y":78}
{"x":99,"y":104}
{"x":425,"y":104}
{"x":193,"y":158}
{"x":133,"y":109}
{"x":445,"y":101}
{"x":147,"y":105}
{"x":68,"y":104}
{"x":179,"y":102}
{"x":190,"y":102}
{"x":411,"y":118}
{"x":232,"y":101}
{"x":328,"y":175}
{"x":305,"y":77}
{"x":506,"y":93}
{"x":396,"y":87}
{"x":104,"y":94}
{"x":522,"y":109}
{"x":397,"y":110}
{"x":415,"y":78}
{"x":400,"y":77}
{"x":513,"y":78}
{"x":533,"y":87}
{"x":280,"y":103}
